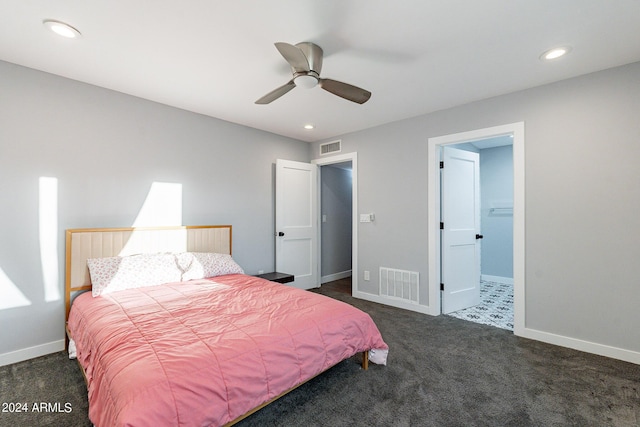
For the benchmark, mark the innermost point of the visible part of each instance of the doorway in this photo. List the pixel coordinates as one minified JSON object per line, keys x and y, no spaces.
{"x":494,"y":279}
{"x":337,"y":247}
{"x":336,"y":213}
{"x":434,"y":145}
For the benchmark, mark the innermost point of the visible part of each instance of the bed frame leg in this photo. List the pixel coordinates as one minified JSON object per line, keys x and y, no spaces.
{"x":365,"y":360}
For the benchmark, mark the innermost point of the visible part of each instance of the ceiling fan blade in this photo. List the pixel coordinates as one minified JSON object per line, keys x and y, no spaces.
{"x":294,"y":56}
{"x":346,"y":91}
{"x":276,"y":93}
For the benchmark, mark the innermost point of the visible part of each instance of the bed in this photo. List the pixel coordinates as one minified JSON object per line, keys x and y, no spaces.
{"x":208,"y":345}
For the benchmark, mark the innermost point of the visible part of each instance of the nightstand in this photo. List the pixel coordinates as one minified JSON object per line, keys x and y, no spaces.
{"x":277,"y":277}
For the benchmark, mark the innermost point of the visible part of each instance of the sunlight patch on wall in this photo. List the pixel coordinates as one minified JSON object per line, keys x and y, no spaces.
{"x":49,"y":237}
{"x":12,"y":297}
{"x":162,"y":207}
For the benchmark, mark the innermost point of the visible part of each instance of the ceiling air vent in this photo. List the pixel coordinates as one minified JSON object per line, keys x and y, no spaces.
{"x":330,"y":147}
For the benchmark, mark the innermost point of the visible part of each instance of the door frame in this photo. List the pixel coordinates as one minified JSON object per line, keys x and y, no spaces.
{"x":340,"y":158}
{"x":433,"y":168}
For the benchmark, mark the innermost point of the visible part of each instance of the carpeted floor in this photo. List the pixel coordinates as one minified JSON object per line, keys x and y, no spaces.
{"x":46,"y":391}
{"x":442,"y":371}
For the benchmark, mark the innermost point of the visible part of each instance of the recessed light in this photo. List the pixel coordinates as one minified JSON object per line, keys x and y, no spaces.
{"x":555,"y":53}
{"x":61,"y":29}
{"x":309,"y":126}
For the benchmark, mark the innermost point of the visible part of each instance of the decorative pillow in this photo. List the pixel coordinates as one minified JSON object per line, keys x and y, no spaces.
{"x":199,"y":265}
{"x":135,"y":271}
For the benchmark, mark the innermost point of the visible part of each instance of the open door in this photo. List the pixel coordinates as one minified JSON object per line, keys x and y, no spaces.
{"x":297,"y":222}
{"x":460,"y":216}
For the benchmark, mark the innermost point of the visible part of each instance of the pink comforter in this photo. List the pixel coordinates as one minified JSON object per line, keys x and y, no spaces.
{"x":203,"y":352}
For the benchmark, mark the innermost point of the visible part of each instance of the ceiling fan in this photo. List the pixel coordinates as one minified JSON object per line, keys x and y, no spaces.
{"x":306,"y":62}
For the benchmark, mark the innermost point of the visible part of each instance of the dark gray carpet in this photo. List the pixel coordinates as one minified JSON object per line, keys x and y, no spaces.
{"x":442,"y":371}
{"x":53,"y":383}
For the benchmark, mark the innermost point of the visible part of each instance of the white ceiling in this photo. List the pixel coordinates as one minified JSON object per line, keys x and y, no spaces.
{"x":416,"y":56}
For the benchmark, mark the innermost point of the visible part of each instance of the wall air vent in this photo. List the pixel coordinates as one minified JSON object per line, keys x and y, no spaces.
{"x":399,"y":284}
{"x":330,"y":147}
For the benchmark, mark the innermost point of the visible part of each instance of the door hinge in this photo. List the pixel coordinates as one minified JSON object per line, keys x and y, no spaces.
{"x":442,"y":286}
{"x":441,"y":225}
{"x":441,"y":165}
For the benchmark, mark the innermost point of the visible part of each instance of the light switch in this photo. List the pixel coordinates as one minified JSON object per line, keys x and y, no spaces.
{"x":324,"y":218}
{"x":368,"y":217}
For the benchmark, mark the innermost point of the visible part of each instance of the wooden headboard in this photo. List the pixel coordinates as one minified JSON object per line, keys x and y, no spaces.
{"x":85,"y":243}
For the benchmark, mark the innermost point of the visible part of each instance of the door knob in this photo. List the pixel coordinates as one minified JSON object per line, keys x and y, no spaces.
{"x":479,"y":236}
{"x":280,"y":233}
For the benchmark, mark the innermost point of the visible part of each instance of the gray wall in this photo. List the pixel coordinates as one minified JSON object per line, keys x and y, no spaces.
{"x":336,"y":232}
{"x":496,"y":191}
{"x":581,"y":204}
{"x":106,"y":149}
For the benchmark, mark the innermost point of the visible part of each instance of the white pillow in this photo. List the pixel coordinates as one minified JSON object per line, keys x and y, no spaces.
{"x":199,"y":265}
{"x":135,"y":271}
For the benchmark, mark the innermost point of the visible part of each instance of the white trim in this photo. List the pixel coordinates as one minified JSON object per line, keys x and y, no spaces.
{"x":499,"y":279}
{"x":433,"y":170}
{"x":353,"y":158}
{"x":424,"y":309}
{"x":31,"y":352}
{"x":335,"y":276}
{"x":586,"y":346}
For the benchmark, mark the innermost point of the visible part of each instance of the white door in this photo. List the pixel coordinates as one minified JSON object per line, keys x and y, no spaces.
{"x":297,"y":222}
{"x":460,"y":217}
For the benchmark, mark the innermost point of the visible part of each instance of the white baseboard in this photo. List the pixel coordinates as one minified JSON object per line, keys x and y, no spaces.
{"x":499,"y":279}
{"x":577,"y":344}
{"x":424,"y":309}
{"x":549,"y":338}
{"x":335,"y":276}
{"x":31,"y":352}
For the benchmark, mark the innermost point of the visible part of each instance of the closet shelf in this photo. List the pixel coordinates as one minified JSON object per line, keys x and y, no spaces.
{"x":501,"y":211}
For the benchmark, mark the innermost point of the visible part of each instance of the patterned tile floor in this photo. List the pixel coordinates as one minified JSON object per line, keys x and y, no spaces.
{"x":495,"y":308}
